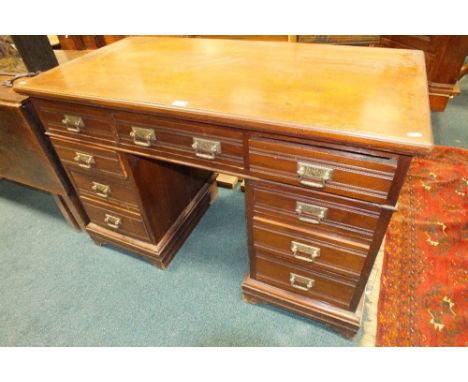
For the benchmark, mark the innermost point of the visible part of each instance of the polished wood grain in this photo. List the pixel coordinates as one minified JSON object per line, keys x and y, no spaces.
{"x":96,"y":122}
{"x":367,"y":177}
{"x":335,"y":256}
{"x":277,"y":272}
{"x":129,"y":223}
{"x":344,"y":321}
{"x":104,"y":161}
{"x":292,"y":89}
{"x":119,"y":193}
{"x":176,"y":138}
{"x":345,"y":216}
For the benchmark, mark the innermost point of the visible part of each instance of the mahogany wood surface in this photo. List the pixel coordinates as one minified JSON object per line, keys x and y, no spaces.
{"x":294,"y":89}
{"x":322,"y":135}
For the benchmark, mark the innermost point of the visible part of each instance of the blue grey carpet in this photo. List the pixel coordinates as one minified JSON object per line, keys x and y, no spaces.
{"x":57,"y":288}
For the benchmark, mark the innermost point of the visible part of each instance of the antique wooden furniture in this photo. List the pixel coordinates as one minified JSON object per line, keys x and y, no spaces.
{"x":86,"y":42}
{"x":26,"y":155}
{"x":322,"y":134}
{"x":366,"y":40}
{"x":444,"y":55}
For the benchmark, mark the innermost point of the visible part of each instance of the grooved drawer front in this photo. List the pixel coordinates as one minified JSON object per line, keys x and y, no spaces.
{"x":278,"y":273}
{"x":341,"y":216}
{"x":332,"y":256}
{"x":105,"y":162}
{"x":96,"y":122}
{"x":354,"y":175}
{"x":106,"y":189}
{"x":130,"y":224}
{"x":176,"y":138}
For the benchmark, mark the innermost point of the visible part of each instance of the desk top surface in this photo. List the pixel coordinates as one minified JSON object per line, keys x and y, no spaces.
{"x":370,"y":96}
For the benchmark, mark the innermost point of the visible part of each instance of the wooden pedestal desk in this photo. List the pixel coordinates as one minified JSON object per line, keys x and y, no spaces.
{"x":322,"y":134}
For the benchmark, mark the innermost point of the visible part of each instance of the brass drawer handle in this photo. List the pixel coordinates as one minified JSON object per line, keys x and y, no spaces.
{"x":205,"y":148}
{"x":301,"y":282}
{"x":84,"y":160}
{"x":311,"y":252}
{"x":313,"y":175}
{"x":73,"y":123}
{"x":310,"y":213}
{"x":102,"y":190}
{"x":143,"y":136}
{"x":112,"y":221}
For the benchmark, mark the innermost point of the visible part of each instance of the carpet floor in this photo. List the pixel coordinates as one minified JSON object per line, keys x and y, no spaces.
{"x":424,"y":286}
{"x":57,"y":288}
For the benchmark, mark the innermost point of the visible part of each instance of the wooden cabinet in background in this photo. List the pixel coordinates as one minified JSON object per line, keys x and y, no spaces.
{"x":444,"y":56}
{"x":86,"y":42}
{"x":26,"y":155}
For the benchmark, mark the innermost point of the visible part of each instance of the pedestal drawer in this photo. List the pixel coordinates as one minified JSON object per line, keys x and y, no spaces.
{"x":107,"y":189}
{"x":91,"y":160}
{"x":311,"y":252}
{"x":316,"y":210}
{"x":304,"y":282}
{"x":354,"y":174}
{"x":122,"y":221}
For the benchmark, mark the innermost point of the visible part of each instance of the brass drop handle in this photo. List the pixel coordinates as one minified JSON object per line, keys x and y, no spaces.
{"x":102,"y":190}
{"x":112,"y":221}
{"x":73,"y":123}
{"x":301,"y":282}
{"x":312,"y":175}
{"x":311,"y":213}
{"x":299,"y":251}
{"x":143,"y":136}
{"x":84,"y":160}
{"x":205,"y":148}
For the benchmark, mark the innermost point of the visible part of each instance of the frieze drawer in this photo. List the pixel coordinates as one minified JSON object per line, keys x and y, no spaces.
{"x":356,"y":175}
{"x":195,"y":143}
{"x":76,"y":120}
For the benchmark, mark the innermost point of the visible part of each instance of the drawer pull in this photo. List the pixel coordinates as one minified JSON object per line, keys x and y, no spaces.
{"x":310,"y":213}
{"x":301,"y":282}
{"x":73,"y":123}
{"x":313,"y":175}
{"x":299,"y":248}
{"x":113,"y":221}
{"x":142,"y":136}
{"x":206,"y":149}
{"x":84,"y":160}
{"x":102,"y":190}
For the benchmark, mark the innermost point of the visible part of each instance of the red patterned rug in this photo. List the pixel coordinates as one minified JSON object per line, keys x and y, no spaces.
{"x":424,"y":286}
